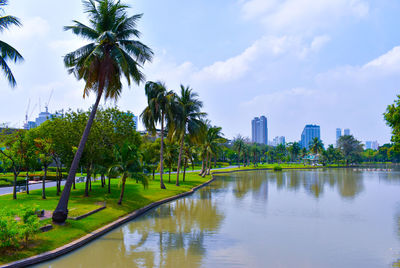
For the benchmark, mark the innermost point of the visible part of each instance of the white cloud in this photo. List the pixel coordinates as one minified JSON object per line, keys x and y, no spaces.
{"x":303,"y":15}
{"x":388,"y":62}
{"x":259,"y":54}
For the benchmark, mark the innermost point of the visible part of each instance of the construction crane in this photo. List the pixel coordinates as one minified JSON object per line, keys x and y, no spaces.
{"x":27,"y":111}
{"x":46,"y":106}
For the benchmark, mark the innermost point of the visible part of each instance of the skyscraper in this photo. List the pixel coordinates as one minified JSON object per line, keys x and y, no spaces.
{"x":338,"y":133}
{"x":259,"y":130}
{"x":309,"y":133}
{"x":346,"y":132}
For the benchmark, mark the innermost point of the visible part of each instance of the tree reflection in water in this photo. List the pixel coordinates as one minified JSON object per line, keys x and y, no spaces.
{"x":180,"y":228}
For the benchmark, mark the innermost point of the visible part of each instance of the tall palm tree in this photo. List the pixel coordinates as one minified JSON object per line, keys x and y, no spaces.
{"x":7,"y":52}
{"x":160,"y":107}
{"x":188,"y":120}
{"x":101,"y":63}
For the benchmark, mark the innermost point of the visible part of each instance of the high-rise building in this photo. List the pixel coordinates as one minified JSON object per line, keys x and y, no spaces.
{"x":309,"y":133}
{"x":374,"y":145}
{"x":338,"y":133}
{"x":278,"y":140}
{"x":259,"y":130}
{"x":347,"y":132}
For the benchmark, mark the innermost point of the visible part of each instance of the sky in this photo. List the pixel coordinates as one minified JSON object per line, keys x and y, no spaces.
{"x":335,"y":63}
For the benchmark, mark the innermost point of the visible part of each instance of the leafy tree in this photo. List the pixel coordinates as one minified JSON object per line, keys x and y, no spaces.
{"x":8,"y":53}
{"x":12,"y":152}
{"x":392,"y":117}
{"x":101,"y":64}
{"x":151,"y":154}
{"x":350,"y":148}
{"x":160,"y":108}
{"x":280,"y":150}
{"x":44,"y":151}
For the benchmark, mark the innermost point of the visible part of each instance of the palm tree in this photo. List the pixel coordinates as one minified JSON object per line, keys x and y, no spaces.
{"x":101,"y":64}
{"x":214,"y":138}
{"x":127,"y":165}
{"x":188,"y":120}
{"x":160,"y":106}
{"x":7,"y":52}
{"x":238,"y":144}
{"x":317,"y":146}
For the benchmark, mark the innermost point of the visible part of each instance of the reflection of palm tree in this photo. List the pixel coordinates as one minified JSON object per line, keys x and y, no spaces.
{"x":181,"y":226}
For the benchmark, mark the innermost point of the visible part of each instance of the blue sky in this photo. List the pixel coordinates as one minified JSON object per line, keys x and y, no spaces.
{"x":335,"y":63}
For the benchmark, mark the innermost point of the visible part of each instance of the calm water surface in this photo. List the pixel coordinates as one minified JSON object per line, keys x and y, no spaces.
{"x":299,"y":218}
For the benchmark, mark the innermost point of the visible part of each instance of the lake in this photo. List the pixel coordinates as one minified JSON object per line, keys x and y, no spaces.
{"x":294,"y":218}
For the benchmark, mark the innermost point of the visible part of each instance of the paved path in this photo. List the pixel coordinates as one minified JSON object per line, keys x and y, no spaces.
{"x":38,"y":185}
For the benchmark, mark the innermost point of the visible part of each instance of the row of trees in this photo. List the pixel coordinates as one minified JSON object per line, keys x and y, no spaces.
{"x":348,"y":150}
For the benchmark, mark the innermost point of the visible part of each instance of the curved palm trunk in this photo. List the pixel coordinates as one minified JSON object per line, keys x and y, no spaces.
{"x":44,"y":183}
{"x":179,"y":159}
{"x":162,"y":152}
{"x":206,"y":165}
{"x":202,"y":166}
{"x":60,"y":214}
{"x":122,"y":189}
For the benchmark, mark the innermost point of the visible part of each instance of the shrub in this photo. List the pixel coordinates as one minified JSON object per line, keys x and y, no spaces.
{"x":13,"y":231}
{"x":277,"y":168}
{"x":224,"y":164}
{"x":9,"y":232}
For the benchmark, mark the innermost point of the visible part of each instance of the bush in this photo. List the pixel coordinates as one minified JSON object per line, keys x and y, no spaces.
{"x":277,"y":168}
{"x":13,"y":231}
{"x":8,"y":230}
{"x":223,"y":164}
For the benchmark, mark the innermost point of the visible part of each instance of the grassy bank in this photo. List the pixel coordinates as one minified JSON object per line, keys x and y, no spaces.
{"x":135,"y":197}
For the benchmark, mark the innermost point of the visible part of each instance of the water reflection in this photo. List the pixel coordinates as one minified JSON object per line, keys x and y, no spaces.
{"x":346,"y":182}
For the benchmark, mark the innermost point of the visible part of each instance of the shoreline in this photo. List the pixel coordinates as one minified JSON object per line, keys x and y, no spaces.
{"x":99,"y":232}
{"x":76,"y":244}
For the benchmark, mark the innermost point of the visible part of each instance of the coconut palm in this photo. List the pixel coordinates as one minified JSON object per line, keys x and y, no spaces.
{"x":127,"y":165}
{"x":160,"y":109}
{"x":238,"y":145}
{"x":316,"y":146}
{"x":213,"y":139}
{"x":7,"y":52}
{"x":101,"y":63}
{"x":188,"y":120}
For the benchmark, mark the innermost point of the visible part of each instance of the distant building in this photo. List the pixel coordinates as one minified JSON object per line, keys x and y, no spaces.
{"x":259,"y":130}
{"x":309,"y":133}
{"x":278,"y":140}
{"x":346,"y":132}
{"x":374,"y":145}
{"x":338,"y":134}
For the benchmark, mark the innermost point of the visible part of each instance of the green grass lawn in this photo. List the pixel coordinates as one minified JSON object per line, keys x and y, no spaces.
{"x":135,"y":197}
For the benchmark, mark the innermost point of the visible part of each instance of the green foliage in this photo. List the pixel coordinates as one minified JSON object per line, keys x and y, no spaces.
{"x":13,"y":230}
{"x":277,"y":168}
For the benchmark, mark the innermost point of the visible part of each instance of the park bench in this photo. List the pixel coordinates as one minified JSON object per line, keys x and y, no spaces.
{"x":21,"y":188}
